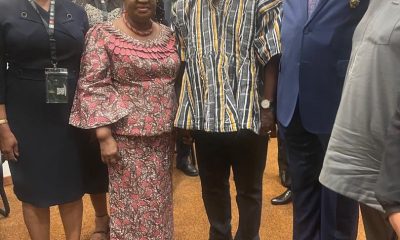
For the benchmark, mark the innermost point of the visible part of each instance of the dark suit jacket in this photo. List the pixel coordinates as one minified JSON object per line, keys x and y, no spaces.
{"x":388,"y":186}
{"x":315,"y":54}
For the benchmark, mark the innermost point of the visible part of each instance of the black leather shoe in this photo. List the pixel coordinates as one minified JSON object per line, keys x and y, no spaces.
{"x":282,"y":199}
{"x":189,"y":169}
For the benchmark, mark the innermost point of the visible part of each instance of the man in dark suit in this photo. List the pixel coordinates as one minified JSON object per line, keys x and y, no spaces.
{"x":316,"y":45}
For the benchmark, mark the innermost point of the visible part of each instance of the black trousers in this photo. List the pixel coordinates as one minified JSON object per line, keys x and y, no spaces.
{"x":244,"y":152}
{"x":318,"y":213}
{"x":283,"y":161}
{"x":182,"y":153}
{"x":376,"y":225}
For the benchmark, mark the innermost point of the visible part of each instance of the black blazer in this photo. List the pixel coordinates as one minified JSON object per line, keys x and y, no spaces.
{"x":388,"y":187}
{"x":24,"y":42}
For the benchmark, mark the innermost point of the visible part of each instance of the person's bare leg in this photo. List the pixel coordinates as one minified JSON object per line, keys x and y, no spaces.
{"x":102,"y":220}
{"x":37,"y":221}
{"x":71,"y":216}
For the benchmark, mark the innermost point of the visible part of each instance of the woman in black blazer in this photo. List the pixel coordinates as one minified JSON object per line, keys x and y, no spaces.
{"x":45,"y":153}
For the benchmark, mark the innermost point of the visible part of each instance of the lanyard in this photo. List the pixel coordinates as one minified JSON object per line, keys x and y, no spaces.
{"x":50,"y":29}
{"x":104,"y":10}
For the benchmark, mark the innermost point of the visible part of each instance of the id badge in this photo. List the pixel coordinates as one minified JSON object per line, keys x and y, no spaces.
{"x":56,"y":85}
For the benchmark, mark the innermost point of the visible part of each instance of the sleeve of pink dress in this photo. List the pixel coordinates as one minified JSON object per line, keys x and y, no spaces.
{"x":97,"y":102}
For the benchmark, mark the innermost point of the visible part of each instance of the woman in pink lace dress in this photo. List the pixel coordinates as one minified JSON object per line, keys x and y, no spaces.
{"x":126,"y":92}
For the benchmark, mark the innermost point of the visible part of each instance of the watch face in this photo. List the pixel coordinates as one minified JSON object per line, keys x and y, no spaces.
{"x":265,"y":103}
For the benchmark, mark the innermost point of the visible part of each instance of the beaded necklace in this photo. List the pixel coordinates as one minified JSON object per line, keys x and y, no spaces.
{"x":134,"y":30}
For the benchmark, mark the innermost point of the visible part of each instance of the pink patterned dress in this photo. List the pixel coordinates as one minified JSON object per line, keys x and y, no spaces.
{"x":129,"y":85}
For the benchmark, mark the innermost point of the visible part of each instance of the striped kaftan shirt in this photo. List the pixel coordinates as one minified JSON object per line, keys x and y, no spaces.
{"x":224,"y":45}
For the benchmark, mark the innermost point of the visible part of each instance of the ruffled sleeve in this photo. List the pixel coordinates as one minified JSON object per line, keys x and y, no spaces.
{"x":97,"y":102}
{"x":267,"y":40}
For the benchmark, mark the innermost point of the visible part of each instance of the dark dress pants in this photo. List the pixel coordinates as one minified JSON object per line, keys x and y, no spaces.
{"x":318,"y":213}
{"x":182,"y":153}
{"x":282,"y":161}
{"x":244,"y":152}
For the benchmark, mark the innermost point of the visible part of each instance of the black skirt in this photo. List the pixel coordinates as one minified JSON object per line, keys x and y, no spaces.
{"x":58,"y":163}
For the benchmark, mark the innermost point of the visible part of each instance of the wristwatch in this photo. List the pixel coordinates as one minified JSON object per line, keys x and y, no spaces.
{"x":266,"y":104}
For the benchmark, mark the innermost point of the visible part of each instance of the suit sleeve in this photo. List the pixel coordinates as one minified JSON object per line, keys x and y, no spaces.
{"x":3,"y":67}
{"x":267,"y":39}
{"x":388,"y":186}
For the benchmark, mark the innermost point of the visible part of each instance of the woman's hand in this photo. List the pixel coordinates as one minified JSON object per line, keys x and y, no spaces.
{"x":108,"y":146}
{"x":395,"y":222}
{"x":8,"y":144}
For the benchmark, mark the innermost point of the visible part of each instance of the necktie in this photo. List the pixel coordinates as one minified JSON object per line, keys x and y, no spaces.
{"x":312,"y":4}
